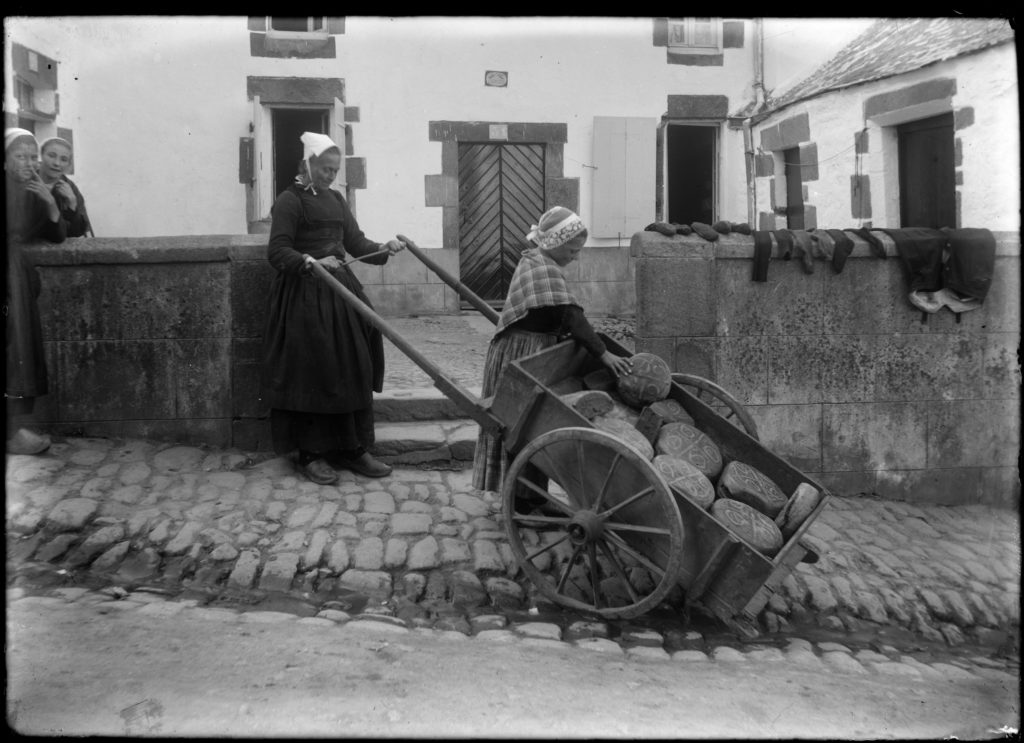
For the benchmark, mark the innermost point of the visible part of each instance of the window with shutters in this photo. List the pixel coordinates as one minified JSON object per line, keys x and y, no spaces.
{"x":33,"y":81}
{"x":624,"y":190}
{"x":695,"y":35}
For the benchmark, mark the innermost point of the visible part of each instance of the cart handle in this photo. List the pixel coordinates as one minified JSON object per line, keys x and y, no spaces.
{"x":451,"y":389}
{"x":463,"y":291}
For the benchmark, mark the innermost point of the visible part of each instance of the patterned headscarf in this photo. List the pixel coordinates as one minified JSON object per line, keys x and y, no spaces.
{"x":556,"y":226}
{"x":313,"y":144}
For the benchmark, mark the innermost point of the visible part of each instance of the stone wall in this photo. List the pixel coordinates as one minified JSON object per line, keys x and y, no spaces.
{"x":160,"y":337}
{"x":841,"y":375}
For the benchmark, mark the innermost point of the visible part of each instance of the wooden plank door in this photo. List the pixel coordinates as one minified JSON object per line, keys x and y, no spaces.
{"x":927,"y":173}
{"x":501,"y":193}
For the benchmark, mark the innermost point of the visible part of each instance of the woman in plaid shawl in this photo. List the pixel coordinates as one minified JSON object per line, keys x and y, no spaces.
{"x":539,"y":311}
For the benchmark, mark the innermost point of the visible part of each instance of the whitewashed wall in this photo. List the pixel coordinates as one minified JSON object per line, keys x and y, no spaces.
{"x":157,"y":106}
{"x":990,"y":194}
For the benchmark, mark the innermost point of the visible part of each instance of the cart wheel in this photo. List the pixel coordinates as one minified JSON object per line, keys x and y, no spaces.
{"x":592,"y":523}
{"x":718,"y":400}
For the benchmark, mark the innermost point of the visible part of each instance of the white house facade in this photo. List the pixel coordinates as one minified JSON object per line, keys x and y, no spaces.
{"x":457,"y":131}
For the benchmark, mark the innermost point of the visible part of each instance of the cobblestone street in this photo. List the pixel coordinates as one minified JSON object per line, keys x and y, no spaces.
{"x":421,"y":549}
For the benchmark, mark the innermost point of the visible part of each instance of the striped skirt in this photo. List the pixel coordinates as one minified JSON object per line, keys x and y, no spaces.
{"x":490,"y":461}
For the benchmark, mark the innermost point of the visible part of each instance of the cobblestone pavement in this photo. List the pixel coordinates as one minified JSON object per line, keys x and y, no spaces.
{"x":455,"y":344}
{"x":422,"y":549}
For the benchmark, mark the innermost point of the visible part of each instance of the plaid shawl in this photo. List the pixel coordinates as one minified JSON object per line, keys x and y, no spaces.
{"x":537,"y":282}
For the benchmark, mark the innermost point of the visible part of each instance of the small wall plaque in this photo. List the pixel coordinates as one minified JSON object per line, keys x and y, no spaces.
{"x":498,"y":131}
{"x":496,"y":79}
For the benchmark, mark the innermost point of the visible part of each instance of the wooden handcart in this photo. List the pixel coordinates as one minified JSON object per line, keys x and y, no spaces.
{"x":613,"y":539}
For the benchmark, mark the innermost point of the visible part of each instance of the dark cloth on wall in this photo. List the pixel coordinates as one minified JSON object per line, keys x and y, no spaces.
{"x":77,"y":218}
{"x":874,"y":244}
{"x":843,"y":248}
{"x":319,"y":355}
{"x":785,"y":239}
{"x":27,"y":221}
{"x":920,"y":250}
{"x":762,"y":254}
{"x":972,"y":256}
{"x":803,"y":249}
{"x":823,"y":246}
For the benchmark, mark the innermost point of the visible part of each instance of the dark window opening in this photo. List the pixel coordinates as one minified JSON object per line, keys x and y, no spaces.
{"x":297,"y":25}
{"x":927,"y":173}
{"x":288,"y":126}
{"x":794,"y":189}
{"x":690,"y":173}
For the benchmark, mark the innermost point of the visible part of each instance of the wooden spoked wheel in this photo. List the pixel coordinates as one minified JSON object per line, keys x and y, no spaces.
{"x":718,"y":400}
{"x":592,"y":523}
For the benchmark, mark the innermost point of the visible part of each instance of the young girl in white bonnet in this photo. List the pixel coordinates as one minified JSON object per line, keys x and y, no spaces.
{"x":32,"y":215}
{"x":539,"y":311}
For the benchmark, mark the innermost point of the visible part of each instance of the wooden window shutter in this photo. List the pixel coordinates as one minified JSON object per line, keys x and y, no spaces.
{"x":624,"y":185}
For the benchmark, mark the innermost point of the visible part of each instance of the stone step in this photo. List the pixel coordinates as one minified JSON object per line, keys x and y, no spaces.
{"x":447,"y":443}
{"x":423,"y":404}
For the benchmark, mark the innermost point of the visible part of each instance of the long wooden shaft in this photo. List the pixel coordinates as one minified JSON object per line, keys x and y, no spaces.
{"x":450,"y":388}
{"x":464,"y":291}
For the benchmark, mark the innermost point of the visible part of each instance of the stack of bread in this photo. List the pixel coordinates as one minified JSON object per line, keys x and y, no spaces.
{"x":637,"y":409}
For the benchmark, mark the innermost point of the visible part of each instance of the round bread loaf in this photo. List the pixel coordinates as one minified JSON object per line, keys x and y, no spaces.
{"x":599,"y":379}
{"x":799,"y":506}
{"x":743,"y":483}
{"x":622,"y":411}
{"x":648,"y":381}
{"x":759,"y":531}
{"x":683,"y":477}
{"x":671,"y":411}
{"x":686,"y":442}
{"x":625,"y":433}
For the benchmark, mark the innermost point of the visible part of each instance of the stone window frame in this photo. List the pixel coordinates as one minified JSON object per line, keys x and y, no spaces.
{"x":266,"y":42}
{"x":791,"y":132}
{"x":302,"y":92}
{"x":731,"y":34}
{"x":688,"y":110}
{"x":442,"y":190}
{"x":884,"y":112}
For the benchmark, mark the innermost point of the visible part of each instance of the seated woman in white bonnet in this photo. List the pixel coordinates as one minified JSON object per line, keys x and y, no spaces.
{"x":539,"y":311}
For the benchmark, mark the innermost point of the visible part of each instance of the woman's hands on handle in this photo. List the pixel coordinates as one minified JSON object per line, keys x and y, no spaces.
{"x":619,"y":365}
{"x":395,"y":246}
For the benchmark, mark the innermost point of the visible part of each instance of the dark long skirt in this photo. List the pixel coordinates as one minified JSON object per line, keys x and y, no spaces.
{"x":321,"y":432}
{"x":319,"y":354}
{"x":490,"y":461}
{"x":26,"y":361}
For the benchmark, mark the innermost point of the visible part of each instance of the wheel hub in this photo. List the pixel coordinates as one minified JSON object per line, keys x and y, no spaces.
{"x":584,"y":527}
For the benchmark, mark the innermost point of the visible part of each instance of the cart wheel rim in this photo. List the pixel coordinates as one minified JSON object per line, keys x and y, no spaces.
{"x":719,"y":400}
{"x":608,"y":536}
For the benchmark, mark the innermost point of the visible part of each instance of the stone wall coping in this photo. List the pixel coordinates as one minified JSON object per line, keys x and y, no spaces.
{"x":169,"y":249}
{"x":655,"y":245}
{"x":78,"y":251}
